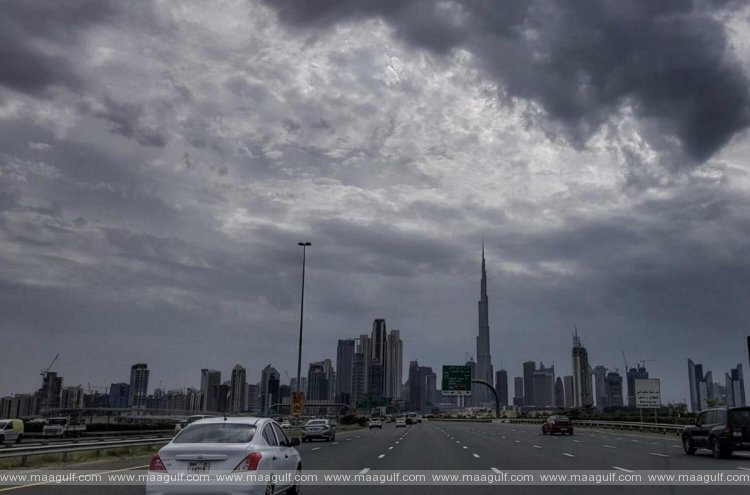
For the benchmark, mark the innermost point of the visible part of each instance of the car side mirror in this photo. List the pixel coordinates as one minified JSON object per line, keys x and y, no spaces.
{"x":295,"y":441}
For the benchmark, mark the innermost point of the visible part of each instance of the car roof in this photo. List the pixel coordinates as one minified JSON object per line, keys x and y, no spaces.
{"x":234,"y":420}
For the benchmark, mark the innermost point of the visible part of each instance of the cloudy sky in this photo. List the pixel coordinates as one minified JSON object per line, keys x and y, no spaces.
{"x":159,"y":162}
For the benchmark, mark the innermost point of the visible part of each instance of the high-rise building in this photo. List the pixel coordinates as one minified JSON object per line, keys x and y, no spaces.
{"x":528,"y":383}
{"x":376,"y":369}
{"x":582,"y":396}
{"x":269,"y":388}
{"x":422,"y":387}
{"x":518,"y":391}
{"x":253,"y":397}
{"x":320,"y":380}
{"x":49,"y":394}
{"x":633,"y":374}
{"x":568,"y":381}
{"x":613,"y":390}
{"x":118,"y":395}
{"x":701,"y":386}
{"x":735,"y":387}
{"x":599,"y":374}
{"x":544,"y":386}
{"x":238,"y":389}
{"x":501,"y":386}
{"x":394,"y":365}
{"x":359,"y":376}
{"x":210,"y":382}
{"x":559,"y":393}
{"x":344,"y":367}
{"x":72,"y":397}
{"x":138,"y":388}
{"x":19,"y":406}
{"x":480,"y":394}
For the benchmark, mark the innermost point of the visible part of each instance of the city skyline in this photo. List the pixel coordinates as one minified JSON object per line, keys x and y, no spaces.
{"x":160,"y":162}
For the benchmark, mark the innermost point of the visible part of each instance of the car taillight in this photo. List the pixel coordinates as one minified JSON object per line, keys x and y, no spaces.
{"x":156,"y":464}
{"x":250,"y":462}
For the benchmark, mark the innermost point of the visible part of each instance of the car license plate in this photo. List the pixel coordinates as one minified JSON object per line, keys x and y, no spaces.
{"x":199,"y":467}
{"x":737,"y":434}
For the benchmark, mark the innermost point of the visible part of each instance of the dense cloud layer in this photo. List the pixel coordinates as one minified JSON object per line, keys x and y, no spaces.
{"x":159,"y":163}
{"x":583,"y":61}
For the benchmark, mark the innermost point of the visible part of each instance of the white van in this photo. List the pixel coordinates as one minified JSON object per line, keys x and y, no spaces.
{"x":11,"y":430}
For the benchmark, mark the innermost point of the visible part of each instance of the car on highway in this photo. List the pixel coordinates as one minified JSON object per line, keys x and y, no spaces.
{"x":11,"y":430}
{"x":227,"y":445}
{"x":401,"y":422}
{"x":375,"y":423}
{"x":286,"y":425}
{"x":319,"y":428}
{"x":722,"y":430}
{"x":557,"y":424}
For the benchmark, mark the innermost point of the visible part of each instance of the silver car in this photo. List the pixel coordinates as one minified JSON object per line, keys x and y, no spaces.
{"x":221,"y":446}
{"x":319,"y":428}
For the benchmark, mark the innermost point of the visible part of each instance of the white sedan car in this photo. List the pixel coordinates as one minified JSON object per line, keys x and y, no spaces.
{"x":227,"y":446}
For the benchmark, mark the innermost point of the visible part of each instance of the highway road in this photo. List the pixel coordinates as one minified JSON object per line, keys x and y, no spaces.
{"x":478,"y":446}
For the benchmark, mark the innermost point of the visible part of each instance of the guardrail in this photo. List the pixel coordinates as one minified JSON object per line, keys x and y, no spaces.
{"x":610,"y":425}
{"x":113,"y":433}
{"x":25,"y":452}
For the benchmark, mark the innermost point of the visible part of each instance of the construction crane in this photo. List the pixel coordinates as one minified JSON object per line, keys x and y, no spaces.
{"x":643,"y":362}
{"x":44,"y":372}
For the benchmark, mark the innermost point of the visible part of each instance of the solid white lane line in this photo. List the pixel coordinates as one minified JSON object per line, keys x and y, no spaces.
{"x":381,"y":456}
{"x":658,"y":454}
{"x":743,"y":468}
{"x":569,"y":455}
{"x":476,"y":455}
{"x":622,"y":469}
{"x":364,"y":471}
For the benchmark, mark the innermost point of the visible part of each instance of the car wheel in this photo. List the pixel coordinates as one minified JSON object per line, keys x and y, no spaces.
{"x":687,"y":445}
{"x":717,"y":450}
{"x":294,"y":490}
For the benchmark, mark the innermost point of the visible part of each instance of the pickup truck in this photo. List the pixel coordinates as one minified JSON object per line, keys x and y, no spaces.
{"x":62,"y":427}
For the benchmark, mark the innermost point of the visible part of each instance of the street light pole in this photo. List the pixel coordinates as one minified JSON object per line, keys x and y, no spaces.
{"x":301,"y":314}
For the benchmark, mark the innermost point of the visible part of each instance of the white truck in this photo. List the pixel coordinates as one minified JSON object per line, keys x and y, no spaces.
{"x":63,"y":427}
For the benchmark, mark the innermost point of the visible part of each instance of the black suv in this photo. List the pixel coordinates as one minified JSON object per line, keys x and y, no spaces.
{"x":722,"y":430}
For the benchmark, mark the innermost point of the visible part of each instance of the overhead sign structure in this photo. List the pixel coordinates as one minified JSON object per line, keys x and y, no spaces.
{"x":456,"y":380}
{"x":647,"y":393}
{"x":298,"y":403}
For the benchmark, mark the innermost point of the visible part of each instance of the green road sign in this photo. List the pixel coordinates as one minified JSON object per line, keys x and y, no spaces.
{"x":456,"y":380}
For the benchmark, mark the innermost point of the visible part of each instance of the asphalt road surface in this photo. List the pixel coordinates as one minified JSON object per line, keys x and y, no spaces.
{"x":476,"y":446}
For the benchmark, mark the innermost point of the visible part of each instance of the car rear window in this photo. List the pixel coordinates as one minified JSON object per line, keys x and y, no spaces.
{"x":216,"y":433}
{"x":740,"y":418}
{"x":317,"y":422}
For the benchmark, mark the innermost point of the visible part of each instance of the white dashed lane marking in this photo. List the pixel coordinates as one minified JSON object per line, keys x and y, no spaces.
{"x":476,"y":455}
{"x":364,"y":471}
{"x":569,"y":455}
{"x":622,"y":469}
{"x":381,"y":456}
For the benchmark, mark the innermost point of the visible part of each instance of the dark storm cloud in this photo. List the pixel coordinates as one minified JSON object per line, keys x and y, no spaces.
{"x":126,"y":121}
{"x":32,"y":33}
{"x":582,"y":60}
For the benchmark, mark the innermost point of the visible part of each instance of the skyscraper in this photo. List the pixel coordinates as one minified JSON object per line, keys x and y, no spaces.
{"x":210,"y":382}
{"x":501,"y":386}
{"x":735,"y":387}
{"x":344,"y":367}
{"x":394,"y":365}
{"x":544,"y":386}
{"x":320,"y":380}
{"x":701,"y":386}
{"x":582,"y":396}
{"x":559,"y":393}
{"x":269,"y":388}
{"x":599,"y":374}
{"x":376,"y":384}
{"x":568,"y":381}
{"x":484,"y":360}
{"x":528,"y":383}
{"x":49,"y":394}
{"x":238,"y":389}
{"x":138,"y":390}
{"x":633,"y":374}
{"x":518,"y":391}
{"x":613,"y":390}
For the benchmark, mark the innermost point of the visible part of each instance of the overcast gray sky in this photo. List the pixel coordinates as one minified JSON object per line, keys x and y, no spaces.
{"x":160,"y":161}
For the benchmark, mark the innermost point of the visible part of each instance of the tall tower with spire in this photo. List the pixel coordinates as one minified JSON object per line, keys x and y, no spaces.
{"x":484,"y":361}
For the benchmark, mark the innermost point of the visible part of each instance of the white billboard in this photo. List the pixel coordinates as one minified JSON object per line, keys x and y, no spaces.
{"x":647,"y":393}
